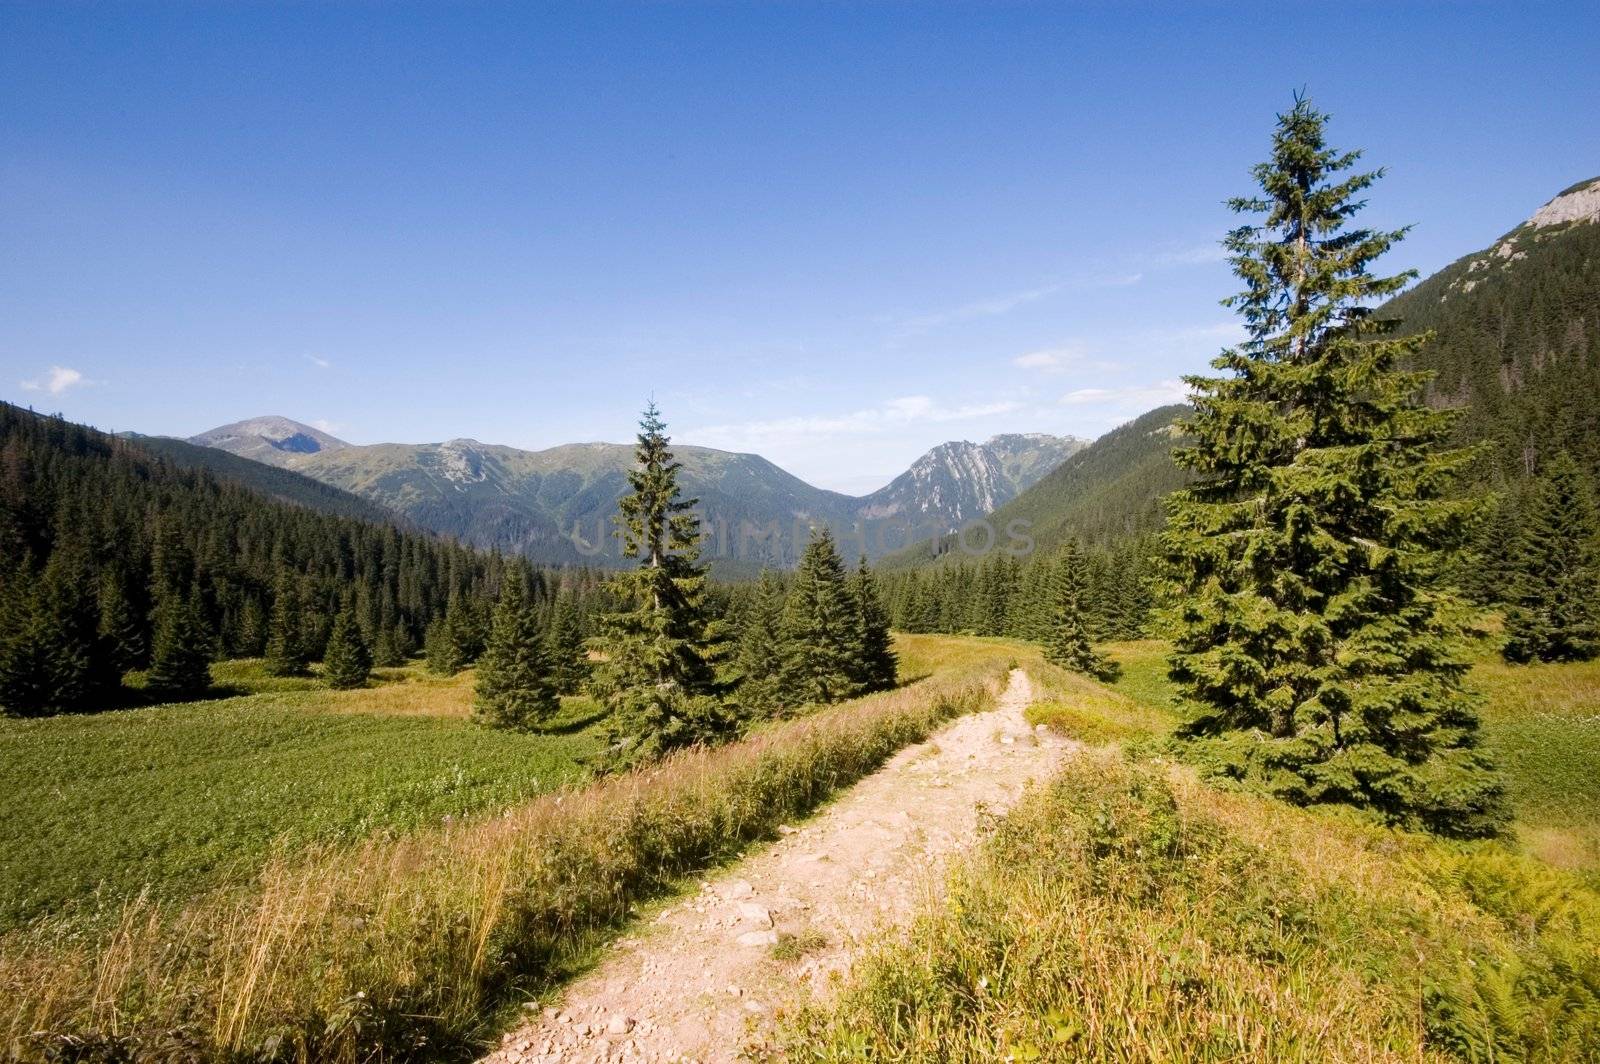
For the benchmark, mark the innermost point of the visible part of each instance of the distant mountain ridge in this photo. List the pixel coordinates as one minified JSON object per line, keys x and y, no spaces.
{"x":260,"y":438}
{"x":555,"y":505}
{"x":1102,"y":495}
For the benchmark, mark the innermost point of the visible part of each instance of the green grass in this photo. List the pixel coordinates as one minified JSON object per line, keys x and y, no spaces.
{"x":1541,"y":723}
{"x":174,"y":799}
{"x":1128,"y":912}
{"x":407,"y":946}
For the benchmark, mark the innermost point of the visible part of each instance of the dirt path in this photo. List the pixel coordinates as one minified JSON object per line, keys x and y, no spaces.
{"x":705,"y":978}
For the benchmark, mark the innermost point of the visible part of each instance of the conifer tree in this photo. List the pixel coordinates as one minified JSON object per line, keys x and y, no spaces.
{"x":1555,"y":575}
{"x":659,"y":676}
{"x":250,"y":640}
{"x":569,"y":656}
{"x":122,"y":631}
{"x":180,"y":652}
{"x":347,"y":662}
{"x":386,"y":652}
{"x":287,"y":653}
{"x":442,"y":650}
{"x":758,"y":658}
{"x":1315,"y":642}
{"x":875,"y":657}
{"x":465,"y":629}
{"x":1069,"y":645}
{"x":1489,"y":572}
{"x":821,"y":634}
{"x":514,"y":686}
{"x":32,"y":659}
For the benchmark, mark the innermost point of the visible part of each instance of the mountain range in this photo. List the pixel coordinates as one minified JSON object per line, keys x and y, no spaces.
{"x":555,"y":505}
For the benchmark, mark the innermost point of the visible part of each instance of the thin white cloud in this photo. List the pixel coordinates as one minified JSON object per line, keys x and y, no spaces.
{"x":1142,"y":396}
{"x":1060,"y":359}
{"x":1196,"y":255}
{"x":57,"y":381}
{"x":1005,"y":303}
{"x":886,"y":416}
{"x":330,"y":427}
{"x":320,"y":363}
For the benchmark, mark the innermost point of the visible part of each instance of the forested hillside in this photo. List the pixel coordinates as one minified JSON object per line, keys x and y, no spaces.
{"x":113,"y":558}
{"x":272,"y":481}
{"x":1517,"y":338}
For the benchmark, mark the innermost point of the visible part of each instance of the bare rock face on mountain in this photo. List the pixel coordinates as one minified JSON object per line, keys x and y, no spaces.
{"x":962,"y":481}
{"x":273,"y":440}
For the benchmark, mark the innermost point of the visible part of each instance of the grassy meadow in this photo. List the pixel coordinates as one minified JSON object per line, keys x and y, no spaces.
{"x":178,"y":798}
{"x":405,"y":943}
{"x":1129,"y":911}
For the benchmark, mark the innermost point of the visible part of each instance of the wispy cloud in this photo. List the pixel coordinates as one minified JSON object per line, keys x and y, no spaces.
{"x":57,"y":381}
{"x":1005,"y":303}
{"x":1140,"y":396}
{"x":885,"y":417}
{"x":1193,"y":255}
{"x":330,"y":427}
{"x":320,"y":363}
{"x":1072,"y":356}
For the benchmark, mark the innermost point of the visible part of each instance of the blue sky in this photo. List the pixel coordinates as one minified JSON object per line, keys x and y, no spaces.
{"x":835,"y":234}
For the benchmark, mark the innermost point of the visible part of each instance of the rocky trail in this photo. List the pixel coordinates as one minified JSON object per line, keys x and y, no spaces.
{"x":704,"y":980}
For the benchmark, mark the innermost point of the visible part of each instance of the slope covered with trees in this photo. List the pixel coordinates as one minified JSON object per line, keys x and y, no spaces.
{"x":113,"y":558}
{"x":1517,"y":338}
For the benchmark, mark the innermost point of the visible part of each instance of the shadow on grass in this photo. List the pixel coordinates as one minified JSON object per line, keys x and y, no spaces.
{"x":574,"y":724}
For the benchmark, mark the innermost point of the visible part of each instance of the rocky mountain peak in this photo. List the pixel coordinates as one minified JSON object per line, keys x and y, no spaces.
{"x":1580,"y":203}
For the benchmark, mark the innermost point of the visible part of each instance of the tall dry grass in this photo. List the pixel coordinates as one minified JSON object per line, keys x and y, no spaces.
{"x":403,"y":949}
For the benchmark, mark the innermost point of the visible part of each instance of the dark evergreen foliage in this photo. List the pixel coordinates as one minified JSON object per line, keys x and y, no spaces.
{"x":347,"y":662}
{"x":287,"y":653}
{"x":181,"y":651}
{"x":1554,"y":574}
{"x":443,"y":653}
{"x":1069,"y":644}
{"x":1516,"y":347}
{"x":95,"y":532}
{"x":515,"y":686}
{"x":821,"y":629}
{"x":758,"y":654}
{"x":567,"y":649}
{"x":659,"y":674}
{"x":875,"y":657}
{"x":1315,"y":641}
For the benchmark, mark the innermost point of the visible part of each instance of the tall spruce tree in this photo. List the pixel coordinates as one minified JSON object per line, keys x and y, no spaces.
{"x":875,"y":657}
{"x":180,"y":652}
{"x":1555,"y":574}
{"x":659,"y":674}
{"x":1069,"y":644}
{"x":1321,"y":654}
{"x":514,"y":687}
{"x":347,"y":662}
{"x":821,"y":634}
{"x":758,"y":656}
